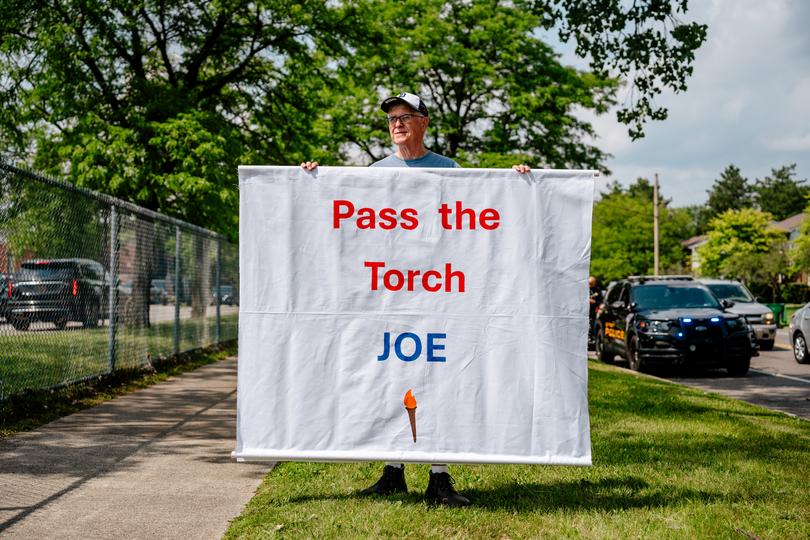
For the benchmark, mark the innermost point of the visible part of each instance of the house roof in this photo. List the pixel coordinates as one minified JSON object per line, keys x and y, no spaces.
{"x":694,"y":241}
{"x":790,"y":224}
{"x":787,"y":225}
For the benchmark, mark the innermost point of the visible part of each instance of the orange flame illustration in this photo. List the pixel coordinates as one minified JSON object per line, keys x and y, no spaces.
{"x":410,"y":406}
{"x":410,"y":401}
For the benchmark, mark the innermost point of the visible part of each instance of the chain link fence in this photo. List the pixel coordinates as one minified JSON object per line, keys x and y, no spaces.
{"x":90,"y":284}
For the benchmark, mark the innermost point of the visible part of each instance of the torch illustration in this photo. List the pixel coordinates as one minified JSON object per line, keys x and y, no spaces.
{"x":410,"y":406}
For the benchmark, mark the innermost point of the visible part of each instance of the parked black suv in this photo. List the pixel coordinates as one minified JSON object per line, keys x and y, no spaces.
{"x":671,"y":321}
{"x":59,"y":291}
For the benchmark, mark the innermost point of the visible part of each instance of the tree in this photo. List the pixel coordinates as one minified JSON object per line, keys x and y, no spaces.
{"x":643,"y":41}
{"x":780,"y":194}
{"x":699,"y":217}
{"x":767,"y":267}
{"x":729,"y":192}
{"x":740,"y":234}
{"x":131,"y":97}
{"x":800,"y":253}
{"x":498,"y":94}
{"x":44,"y":221}
{"x":260,"y":74}
{"x":622,"y":243}
{"x":157,"y":102}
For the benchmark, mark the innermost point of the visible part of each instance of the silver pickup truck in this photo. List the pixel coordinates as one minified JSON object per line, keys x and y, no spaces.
{"x":759,"y":316}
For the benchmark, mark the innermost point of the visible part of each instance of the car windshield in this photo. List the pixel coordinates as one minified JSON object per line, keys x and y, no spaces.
{"x":46,"y":271}
{"x":159,"y":284}
{"x":731,"y":291}
{"x":667,"y":296}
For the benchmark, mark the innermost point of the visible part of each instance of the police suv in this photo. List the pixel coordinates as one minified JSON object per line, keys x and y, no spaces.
{"x":671,"y":321}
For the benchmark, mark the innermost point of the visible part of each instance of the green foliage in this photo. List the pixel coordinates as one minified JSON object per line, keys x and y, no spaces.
{"x":796,"y":293}
{"x":734,"y":241}
{"x":781,"y":194}
{"x":800,"y":254}
{"x":729,"y":192}
{"x":760,"y":267}
{"x":44,"y":221}
{"x":158,"y":103}
{"x":699,"y":217}
{"x":497,"y":94}
{"x":643,"y":41}
{"x":622,"y":241}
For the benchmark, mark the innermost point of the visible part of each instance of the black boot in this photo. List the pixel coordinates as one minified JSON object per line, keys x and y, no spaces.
{"x":391,"y":481}
{"x":440,"y":490}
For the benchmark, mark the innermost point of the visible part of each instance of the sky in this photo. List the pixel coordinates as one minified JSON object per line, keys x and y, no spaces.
{"x":747,"y":103}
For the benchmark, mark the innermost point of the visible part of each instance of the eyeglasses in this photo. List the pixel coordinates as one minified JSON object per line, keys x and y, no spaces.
{"x":404,"y":118}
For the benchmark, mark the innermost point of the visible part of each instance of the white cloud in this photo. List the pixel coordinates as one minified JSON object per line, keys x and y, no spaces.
{"x":611,"y":136}
{"x":748,"y":103}
{"x":790,"y":144}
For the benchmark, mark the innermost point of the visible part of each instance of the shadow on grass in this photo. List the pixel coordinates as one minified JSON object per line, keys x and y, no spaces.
{"x":607,"y":494}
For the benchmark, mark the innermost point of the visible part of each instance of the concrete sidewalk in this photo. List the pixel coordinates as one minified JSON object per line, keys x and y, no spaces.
{"x":152,"y":464}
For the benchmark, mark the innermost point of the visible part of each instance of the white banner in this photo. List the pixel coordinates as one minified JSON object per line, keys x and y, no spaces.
{"x":466,"y":287}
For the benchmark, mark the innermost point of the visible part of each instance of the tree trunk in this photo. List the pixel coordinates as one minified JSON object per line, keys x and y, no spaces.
{"x":144,"y":249}
{"x":199,"y":278}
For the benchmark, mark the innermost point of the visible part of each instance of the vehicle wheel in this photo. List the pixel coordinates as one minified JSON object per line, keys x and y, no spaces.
{"x":800,"y":349}
{"x":766,"y":345}
{"x":60,"y":323}
{"x":20,"y":325}
{"x":601,"y":353}
{"x":633,"y":356}
{"x":91,"y":316}
{"x":740,"y":367}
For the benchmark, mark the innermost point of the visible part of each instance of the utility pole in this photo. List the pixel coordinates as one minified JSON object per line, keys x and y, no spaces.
{"x":655,"y":225}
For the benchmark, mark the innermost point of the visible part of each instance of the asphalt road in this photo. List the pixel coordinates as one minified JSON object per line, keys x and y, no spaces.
{"x":775,"y":381}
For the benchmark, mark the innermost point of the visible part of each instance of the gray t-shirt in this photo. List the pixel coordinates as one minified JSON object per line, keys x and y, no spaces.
{"x":431,"y":159}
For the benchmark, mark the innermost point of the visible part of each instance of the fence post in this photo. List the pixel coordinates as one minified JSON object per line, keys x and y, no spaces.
{"x":177,"y":268}
{"x":113,"y":294}
{"x":217,"y":285}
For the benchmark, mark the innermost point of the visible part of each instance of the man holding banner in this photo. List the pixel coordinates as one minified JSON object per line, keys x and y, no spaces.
{"x":413,"y":314}
{"x":408,"y":119}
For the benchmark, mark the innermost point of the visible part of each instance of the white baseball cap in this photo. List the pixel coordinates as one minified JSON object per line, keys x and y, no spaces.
{"x":411,"y":100}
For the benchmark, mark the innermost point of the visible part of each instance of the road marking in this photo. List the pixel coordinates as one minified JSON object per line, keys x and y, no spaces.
{"x":797,"y":379}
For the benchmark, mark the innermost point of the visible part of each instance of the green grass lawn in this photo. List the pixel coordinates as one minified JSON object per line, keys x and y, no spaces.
{"x":41,"y":359}
{"x":669,"y":462}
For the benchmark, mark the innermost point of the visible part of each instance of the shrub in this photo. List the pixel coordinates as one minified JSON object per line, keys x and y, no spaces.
{"x":795,"y":293}
{"x":761,"y":291}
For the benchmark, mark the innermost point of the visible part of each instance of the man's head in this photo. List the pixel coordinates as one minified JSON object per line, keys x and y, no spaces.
{"x":592,"y":282}
{"x":407,"y":119}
